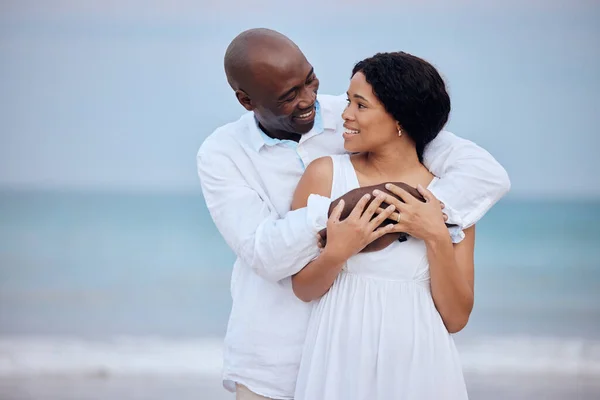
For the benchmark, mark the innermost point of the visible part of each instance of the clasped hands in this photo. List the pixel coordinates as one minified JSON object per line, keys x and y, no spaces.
{"x":376,"y":216}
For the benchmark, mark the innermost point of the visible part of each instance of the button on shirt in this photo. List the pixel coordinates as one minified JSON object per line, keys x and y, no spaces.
{"x":248,"y":180}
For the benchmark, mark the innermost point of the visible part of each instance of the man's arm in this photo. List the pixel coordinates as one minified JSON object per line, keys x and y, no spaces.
{"x":471,"y":180}
{"x":274,"y":248}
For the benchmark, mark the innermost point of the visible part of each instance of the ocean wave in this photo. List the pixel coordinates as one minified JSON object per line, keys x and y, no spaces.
{"x":118,"y":356}
{"x":523,"y":354}
{"x":162,"y":356}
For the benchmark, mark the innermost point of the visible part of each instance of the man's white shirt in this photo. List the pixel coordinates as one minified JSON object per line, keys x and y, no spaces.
{"x":248,"y":181}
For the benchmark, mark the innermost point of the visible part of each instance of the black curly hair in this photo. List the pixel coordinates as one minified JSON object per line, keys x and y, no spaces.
{"x":412,"y":91}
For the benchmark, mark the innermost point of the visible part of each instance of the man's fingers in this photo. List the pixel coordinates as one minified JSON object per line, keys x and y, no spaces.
{"x":322,"y":239}
{"x":445,"y":217}
{"x":360,"y":206}
{"x":442,"y":205}
{"x":337,"y":211}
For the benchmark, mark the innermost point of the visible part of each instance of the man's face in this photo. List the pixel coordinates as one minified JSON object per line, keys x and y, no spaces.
{"x":284,"y":94}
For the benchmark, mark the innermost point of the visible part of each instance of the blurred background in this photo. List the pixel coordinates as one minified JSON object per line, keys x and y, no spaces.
{"x":114,"y":282}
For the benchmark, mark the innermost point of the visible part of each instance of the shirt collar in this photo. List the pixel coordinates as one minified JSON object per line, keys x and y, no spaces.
{"x":329,"y":117}
{"x":260,"y":138}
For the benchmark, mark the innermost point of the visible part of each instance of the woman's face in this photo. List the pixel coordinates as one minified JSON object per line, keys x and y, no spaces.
{"x":368,"y":125}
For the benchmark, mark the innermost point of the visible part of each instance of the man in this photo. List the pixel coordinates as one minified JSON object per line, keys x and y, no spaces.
{"x":249,"y":170}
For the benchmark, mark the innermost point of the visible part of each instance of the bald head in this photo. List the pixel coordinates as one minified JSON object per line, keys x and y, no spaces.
{"x":254,"y":49}
{"x":271,"y":77}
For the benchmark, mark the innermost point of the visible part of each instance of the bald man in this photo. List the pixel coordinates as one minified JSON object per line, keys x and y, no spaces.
{"x":249,"y":170}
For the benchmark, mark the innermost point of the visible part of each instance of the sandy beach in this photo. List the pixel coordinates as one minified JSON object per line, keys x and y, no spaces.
{"x":481,"y":387}
{"x":153,"y":369}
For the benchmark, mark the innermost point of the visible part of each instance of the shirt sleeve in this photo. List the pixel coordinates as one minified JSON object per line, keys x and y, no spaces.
{"x":471,"y":180}
{"x":275,"y":248}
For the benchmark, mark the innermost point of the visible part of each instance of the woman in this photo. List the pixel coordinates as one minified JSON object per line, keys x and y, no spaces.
{"x":382,"y":323}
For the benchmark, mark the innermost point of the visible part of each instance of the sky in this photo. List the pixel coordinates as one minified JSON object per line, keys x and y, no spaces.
{"x":112,"y":95}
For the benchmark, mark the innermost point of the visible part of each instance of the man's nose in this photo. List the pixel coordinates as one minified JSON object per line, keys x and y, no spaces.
{"x":308,"y":97}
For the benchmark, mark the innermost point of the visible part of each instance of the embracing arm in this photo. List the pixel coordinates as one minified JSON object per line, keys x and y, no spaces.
{"x":471,"y":180}
{"x":274,"y":248}
{"x":451,"y":268}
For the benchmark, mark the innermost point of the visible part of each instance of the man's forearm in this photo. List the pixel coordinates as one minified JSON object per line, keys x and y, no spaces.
{"x":471,"y":180}
{"x":283,"y":247}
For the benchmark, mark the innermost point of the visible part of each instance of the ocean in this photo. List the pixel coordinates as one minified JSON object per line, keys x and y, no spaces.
{"x":109,"y":283}
{"x":100,"y":290}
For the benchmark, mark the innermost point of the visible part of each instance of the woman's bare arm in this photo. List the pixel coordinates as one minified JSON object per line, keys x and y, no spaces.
{"x":346,"y":237}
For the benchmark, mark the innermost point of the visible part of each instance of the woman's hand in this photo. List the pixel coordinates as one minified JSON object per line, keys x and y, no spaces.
{"x":424,"y":221}
{"x":348,"y":237}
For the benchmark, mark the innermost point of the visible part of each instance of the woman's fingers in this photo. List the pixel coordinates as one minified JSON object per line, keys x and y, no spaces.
{"x":382,"y":216}
{"x":384,"y":230}
{"x":393,"y":216}
{"x":427,"y":195}
{"x":389,"y":199}
{"x":370,"y":211}
{"x":337,"y":212}
{"x":360,"y":207}
{"x":403,"y":194}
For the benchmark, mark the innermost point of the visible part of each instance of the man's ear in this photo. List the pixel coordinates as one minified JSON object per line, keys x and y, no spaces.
{"x":244,"y":99}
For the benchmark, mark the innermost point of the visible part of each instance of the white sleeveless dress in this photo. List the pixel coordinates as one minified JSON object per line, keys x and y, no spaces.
{"x":376,"y":335}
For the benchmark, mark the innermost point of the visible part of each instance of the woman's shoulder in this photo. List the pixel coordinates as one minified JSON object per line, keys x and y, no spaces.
{"x":321,"y":169}
{"x":317,"y":179}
